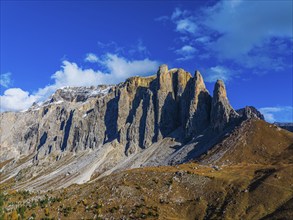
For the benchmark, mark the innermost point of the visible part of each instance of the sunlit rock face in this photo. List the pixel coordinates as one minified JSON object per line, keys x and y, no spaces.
{"x":120,"y":121}
{"x":136,"y":113}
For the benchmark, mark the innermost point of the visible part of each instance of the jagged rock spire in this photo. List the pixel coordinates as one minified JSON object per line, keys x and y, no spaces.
{"x":199,"y":108}
{"x":219,"y":90}
{"x":164,"y":79}
{"x":221,"y":112}
{"x":171,"y":85}
{"x":163,"y":69}
{"x":136,"y":113}
{"x":199,"y":81}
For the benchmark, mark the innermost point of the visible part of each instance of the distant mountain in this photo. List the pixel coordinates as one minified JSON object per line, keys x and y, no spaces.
{"x":288,"y":126}
{"x":87,"y":134}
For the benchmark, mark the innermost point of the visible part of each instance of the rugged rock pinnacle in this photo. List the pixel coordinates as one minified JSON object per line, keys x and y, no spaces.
{"x":222,"y":112}
{"x":134,"y":115}
{"x":166,"y":118}
{"x":200,"y":106}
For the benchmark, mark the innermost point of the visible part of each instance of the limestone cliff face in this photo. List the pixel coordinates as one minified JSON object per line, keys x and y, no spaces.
{"x":222,"y":112}
{"x":136,"y":114}
{"x":200,"y":106}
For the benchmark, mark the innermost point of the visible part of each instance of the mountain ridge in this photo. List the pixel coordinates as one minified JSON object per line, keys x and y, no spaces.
{"x":157,"y":147}
{"x":165,"y":111}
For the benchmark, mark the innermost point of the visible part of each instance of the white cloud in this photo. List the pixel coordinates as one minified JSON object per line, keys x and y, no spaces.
{"x":240,"y":33}
{"x":15,"y":99}
{"x":269,"y":117}
{"x":117,"y":69}
{"x":121,"y":68}
{"x":92,"y":58}
{"x":227,"y":32}
{"x":183,"y":20}
{"x":72,"y":75}
{"x":187,"y":52}
{"x":177,"y":13}
{"x":277,"y":114}
{"x":203,"y":39}
{"x":218,"y":72}
{"x":186,"y":25}
{"x":5,"y":79}
{"x":187,"y":49}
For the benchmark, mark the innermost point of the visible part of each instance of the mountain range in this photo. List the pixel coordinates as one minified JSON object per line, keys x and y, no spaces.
{"x":157,"y":147}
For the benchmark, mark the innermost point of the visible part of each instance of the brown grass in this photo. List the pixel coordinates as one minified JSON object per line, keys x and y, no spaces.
{"x":188,"y":191}
{"x":255,"y":184}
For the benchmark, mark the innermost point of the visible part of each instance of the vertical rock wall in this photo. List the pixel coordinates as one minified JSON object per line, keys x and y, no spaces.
{"x":136,"y":113}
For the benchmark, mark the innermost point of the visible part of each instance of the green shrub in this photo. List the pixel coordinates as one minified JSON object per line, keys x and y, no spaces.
{"x":43,"y":202}
{"x":21,"y":210}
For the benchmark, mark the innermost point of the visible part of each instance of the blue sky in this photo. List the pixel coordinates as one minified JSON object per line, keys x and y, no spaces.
{"x":49,"y":44}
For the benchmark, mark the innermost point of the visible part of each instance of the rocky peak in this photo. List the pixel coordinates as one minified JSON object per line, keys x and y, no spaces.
{"x":249,"y":112}
{"x":133,"y":83}
{"x":219,"y":91}
{"x":222,"y":112}
{"x":79,"y":94}
{"x":180,"y":80}
{"x":199,"y":108}
{"x":164,"y":79}
{"x":163,"y":69}
{"x":136,"y":114}
{"x":199,"y":83}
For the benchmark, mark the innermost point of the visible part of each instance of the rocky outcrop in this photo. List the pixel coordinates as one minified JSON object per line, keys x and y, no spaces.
{"x":166,"y":118}
{"x":222,"y":112}
{"x":198,"y":117}
{"x":158,"y":111}
{"x":249,"y":112}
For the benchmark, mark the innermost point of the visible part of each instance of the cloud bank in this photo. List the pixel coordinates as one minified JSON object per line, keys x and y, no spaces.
{"x":186,"y":52}
{"x":219,"y":72}
{"x":255,"y":35}
{"x":92,"y":58}
{"x":15,"y":99}
{"x":116,"y":69}
{"x":278,"y":114}
{"x":260,"y":42}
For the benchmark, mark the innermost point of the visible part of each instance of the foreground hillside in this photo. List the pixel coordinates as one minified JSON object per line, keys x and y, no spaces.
{"x":246,"y":178}
{"x":189,"y":191}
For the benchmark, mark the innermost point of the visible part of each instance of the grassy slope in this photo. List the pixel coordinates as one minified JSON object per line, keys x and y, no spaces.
{"x":255,"y":184}
{"x":256,"y":142}
{"x":188,"y":191}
